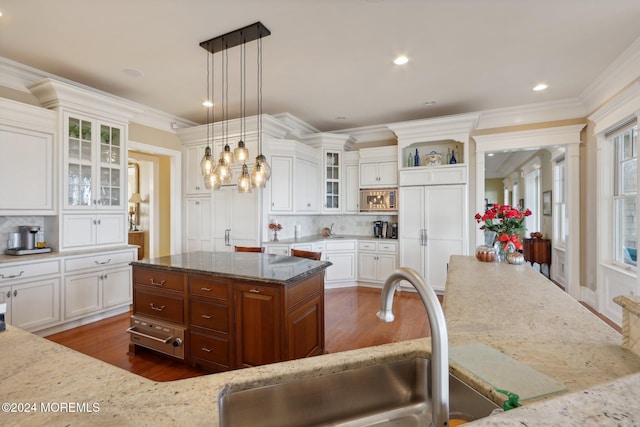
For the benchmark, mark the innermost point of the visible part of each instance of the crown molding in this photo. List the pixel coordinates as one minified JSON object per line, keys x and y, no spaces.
{"x":620,"y":108}
{"x":535,"y":138}
{"x":270,"y":127}
{"x":29,"y":117}
{"x":457,"y":127}
{"x":298,"y":126}
{"x":329,"y":140}
{"x":623,"y":71}
{"x":367,"y":134}
{"x":532,"y":113}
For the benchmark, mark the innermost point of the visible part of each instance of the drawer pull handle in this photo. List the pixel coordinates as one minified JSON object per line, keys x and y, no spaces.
{"x":153,"y":307}
{"x":13,"y":276}
{"x":132,"y":331}
{"x":208,"y":350}
{"x":205,"y":289}
{"x":206,"y":316}
{"x":157,"y":283}
{"x":103,"y":262}
{"x":254,"y":291}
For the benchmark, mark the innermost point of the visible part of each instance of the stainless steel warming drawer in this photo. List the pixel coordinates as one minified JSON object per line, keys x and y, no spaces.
{"x":164,"y":337}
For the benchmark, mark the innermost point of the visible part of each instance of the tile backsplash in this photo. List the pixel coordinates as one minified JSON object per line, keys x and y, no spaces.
{"x":352,"y":225}
{"x":10,"y":224}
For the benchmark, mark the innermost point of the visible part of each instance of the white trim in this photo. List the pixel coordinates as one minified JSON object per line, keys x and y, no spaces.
{"x":532,"y":113}
{"x":176,"y":188}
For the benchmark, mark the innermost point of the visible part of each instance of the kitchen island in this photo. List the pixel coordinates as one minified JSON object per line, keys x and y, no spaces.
{"x":511,"y":308}
{"x":229,"y":309}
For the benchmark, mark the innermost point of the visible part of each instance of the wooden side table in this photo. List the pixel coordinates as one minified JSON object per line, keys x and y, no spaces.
{"x":538,"y":251}
{"x":137,"y":238}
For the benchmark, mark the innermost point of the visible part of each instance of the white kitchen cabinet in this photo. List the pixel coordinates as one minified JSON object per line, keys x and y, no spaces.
{"x":376,"y":260}
{"x":281,"y":184}
{"x":342,"y":254}
{"x":332,"y":182}
{"x":382,"y":174}
{"x":306,"y":185}
{"x":27,"y":152}
{"x":95,"y":159}
{"x":433,"y":227}
{"x":277,"y":249}
{"x":351,"y":182}
{"x":236,"y":219}
{"x":32,"y":305}
{"x":97,"y":282}
{"x":90,"y":230}
{"x":194,"y":183}
{"x":198,"y":221}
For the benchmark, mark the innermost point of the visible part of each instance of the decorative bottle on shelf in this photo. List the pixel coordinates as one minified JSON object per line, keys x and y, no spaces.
{"x":448,"y":155}
{"x":453,"y":160}
{"x":409,"y":160}
{"x":416,"y":159}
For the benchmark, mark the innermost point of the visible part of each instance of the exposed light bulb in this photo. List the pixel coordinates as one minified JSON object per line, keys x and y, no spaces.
{"x":223,"y":171}
{"x":212,"y":181}
{"x":207,"y":164}
{"x":244,"y":182}
{"x":227,"y":154}
{"x":241,"y":153}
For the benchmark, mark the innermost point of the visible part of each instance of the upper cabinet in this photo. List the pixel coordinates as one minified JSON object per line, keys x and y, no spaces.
{"x":379,"y":167}
{"x":434,"y":151}
{"x":27,"y":143}
{"x":93,"y":130}
{"x":94,"y":163}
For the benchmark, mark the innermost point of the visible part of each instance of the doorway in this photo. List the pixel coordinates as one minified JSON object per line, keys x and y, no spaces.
{"x":160,"y":190}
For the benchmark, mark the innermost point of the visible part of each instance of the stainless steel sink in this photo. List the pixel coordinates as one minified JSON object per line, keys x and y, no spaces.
{"x":392,"y":394}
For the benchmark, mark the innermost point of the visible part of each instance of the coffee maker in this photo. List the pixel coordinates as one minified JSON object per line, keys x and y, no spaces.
{"x":377,"y":229}
{"x":394,"y":230}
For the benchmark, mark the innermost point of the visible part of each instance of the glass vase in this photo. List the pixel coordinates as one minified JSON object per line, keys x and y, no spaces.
{"x":504,"y":249}
{"x":275,"y":235}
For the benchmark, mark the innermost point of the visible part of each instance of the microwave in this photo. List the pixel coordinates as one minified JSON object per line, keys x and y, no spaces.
{"x":379,"y":200}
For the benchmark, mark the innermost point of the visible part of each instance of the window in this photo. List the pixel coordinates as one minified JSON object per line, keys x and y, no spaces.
{"x":560,"y":220}
{"x":625,"y":195}
{"x":532,"y":200}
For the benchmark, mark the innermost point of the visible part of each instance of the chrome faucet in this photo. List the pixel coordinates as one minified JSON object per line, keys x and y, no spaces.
{"x":331,"y":230}
{"x":439,"y":338}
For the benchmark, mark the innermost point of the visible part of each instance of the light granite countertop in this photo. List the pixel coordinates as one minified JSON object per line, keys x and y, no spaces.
{"x":511,"y":308}
{"x":6,"y":259}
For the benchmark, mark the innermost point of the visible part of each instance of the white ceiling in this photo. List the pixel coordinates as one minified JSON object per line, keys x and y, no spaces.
{"x":328,"y":58}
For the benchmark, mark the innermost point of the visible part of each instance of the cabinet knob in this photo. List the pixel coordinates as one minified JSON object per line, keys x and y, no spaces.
{"x":8,"y":294}
{"x":15,"y":293}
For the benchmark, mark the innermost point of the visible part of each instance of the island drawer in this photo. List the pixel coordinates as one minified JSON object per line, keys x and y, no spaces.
{"x":158,"y":279}
{"x":210,"y":287}
{"x":161,"y":306}
{"x":212,"y":350}
{"x":209,"y":315}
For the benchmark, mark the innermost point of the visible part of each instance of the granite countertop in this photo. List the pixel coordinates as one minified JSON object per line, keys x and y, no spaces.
{"x":55,"y":254}
{"x":320,"y":238}
{"x":278,"y":269}
{"x":512,"y":308}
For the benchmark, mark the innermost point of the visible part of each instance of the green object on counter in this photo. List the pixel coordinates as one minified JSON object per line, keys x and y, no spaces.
{"x":512,"y":399}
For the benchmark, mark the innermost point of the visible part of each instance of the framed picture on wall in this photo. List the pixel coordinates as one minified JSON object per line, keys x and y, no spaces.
{"x":521,"y":204}
{"x":546,"y":203}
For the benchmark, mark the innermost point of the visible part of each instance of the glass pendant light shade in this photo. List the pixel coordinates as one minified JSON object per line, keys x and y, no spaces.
{"x":223,"y":171}
{"x":241,"y":153}
{"x":258,"y":176}
{"x":244,"y":182}
{"x":265,"y":166}
{"x":207,"y":164}
{"x":212,"y":181}
{"x":227,"y":154}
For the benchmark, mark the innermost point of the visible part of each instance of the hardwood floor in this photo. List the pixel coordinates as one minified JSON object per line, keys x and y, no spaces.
{"x":350,"y":323}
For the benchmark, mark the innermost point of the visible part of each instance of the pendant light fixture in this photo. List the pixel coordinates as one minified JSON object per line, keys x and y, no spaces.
{"x":261,"y":170}
{"x":222,"y":173}
{"x":207,"y":164}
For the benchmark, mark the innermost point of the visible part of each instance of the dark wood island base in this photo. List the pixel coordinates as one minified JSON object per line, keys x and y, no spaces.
{"x":224,"y":311}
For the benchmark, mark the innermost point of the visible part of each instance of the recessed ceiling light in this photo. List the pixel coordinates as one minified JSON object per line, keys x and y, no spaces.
{"x":540,"y":87}
{"x":491,"y":154}
{"x":401,"y":60}
{"x":207,"y":103}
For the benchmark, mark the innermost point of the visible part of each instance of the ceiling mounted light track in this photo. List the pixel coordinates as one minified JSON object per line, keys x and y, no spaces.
{"x":214,"y":175}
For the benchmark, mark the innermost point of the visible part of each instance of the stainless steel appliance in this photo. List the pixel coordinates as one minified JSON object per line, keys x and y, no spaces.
{"x":377,"y":229}
{"x":394,"y":230}
{"x":27,"y":241}
{"x":160,"y":336}
{"x":379,"y":200}
{"x":28,"y":236}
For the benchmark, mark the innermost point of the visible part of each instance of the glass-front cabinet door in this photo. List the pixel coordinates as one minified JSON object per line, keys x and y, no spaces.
{"x":94,"y":164}
{"x":79,"y":162}
{"x":332,"y":176}
{"x":110,"y":185}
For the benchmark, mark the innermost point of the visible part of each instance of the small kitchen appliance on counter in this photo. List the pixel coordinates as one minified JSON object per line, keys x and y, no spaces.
{"x":27,"y":242}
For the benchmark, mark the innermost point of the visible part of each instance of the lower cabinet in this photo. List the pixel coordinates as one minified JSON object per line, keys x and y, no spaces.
{"x":342,"y":254}
{"x":376,"y":260}
{"x":97,"y":282}
{"x":234,"y":323}
{"x":33,"y":305}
